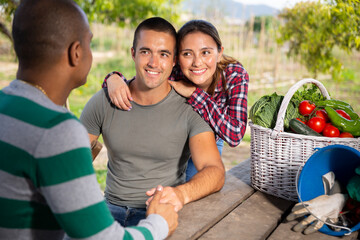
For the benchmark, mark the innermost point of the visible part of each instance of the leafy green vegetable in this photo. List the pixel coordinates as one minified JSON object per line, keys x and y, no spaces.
{"x":264,"y":111}
{"x":308,"y":92}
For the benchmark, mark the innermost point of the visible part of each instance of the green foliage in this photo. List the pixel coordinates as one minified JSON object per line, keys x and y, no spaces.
{"x":264,"y":111}
{"x":268,"y":22}
{"x":246,"y":138}
{"x":108,"y":44}
{"x":129,"y":12}
{"x":7,"y":9}
{"x":101,"y":177}
{"x":308,"y":92}
{"x":313,"y":29}
{"x":122,"y":12}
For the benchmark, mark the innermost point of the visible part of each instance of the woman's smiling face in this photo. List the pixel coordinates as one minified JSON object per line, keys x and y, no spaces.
{"x":198,"y":56}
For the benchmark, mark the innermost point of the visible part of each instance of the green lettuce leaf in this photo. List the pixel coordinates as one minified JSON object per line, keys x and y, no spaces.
{"x":264,"y":111}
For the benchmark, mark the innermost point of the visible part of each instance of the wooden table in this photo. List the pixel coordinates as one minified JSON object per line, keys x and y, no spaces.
{"x":240,"y":212}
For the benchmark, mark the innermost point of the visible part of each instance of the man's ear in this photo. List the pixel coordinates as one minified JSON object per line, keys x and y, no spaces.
{"x":133,"y":53}
{"x":74,"y":53}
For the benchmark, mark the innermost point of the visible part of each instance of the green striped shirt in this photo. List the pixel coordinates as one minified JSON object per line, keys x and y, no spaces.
{"x":47,"y":182}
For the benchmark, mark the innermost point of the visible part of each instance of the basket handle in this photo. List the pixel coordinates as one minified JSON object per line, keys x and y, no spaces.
{"x":279,"y":127}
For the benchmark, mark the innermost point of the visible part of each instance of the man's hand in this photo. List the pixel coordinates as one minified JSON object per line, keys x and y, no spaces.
{"x":183,"y":88}
{"x":165,"y":210}
{"x":170,"y":195}
{"x":119,"y":92}
{"x":324,"y":207}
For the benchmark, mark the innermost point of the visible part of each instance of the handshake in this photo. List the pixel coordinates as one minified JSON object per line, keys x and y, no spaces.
{"x":166,"y":210}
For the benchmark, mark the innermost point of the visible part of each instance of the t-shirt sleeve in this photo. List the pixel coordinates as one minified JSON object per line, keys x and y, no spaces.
{"x":197,"y":125}
{"x":93,"y":114}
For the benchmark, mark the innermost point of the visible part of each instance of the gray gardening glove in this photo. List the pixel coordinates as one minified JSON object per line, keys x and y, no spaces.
{"x":324,"y":207}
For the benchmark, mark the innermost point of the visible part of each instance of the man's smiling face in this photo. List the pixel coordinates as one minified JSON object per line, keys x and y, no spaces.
{"x":154,"y":58}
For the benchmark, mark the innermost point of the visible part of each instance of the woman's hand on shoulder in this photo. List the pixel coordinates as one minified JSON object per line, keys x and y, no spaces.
{"x":183,"y":88}
{"x":119,"y":92}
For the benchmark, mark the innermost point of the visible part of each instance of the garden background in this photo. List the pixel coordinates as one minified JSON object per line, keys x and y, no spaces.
{"x":277,"y":47}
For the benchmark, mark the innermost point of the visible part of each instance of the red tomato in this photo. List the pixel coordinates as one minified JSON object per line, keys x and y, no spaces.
{"x":346,"y":135}
{"x":323,"y":114}
{"x":331,"y":131}
{"x":343,"y":114}
{"x":301,"y":120}
{"x":317,"y":124}
{"x":306,"y":107}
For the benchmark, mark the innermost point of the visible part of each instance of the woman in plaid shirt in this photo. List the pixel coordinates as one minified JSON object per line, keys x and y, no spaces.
{"x":214,"y":84}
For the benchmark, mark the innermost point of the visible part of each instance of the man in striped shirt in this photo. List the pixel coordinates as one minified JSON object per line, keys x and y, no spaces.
{"x":47,"y":182}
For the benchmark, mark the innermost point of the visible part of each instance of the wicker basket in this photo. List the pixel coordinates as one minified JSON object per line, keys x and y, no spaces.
{"x":276,"y":156}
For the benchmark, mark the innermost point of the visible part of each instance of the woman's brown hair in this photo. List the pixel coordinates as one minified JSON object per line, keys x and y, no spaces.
{"x":208,"y":29}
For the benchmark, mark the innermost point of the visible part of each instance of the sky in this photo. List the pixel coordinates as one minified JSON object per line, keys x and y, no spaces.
{"x":278,"y":4}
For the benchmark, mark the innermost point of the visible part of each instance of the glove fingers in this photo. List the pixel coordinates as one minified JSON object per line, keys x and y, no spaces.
{"x":308,"y":220}
{"x":302,"y":225}
{"x":309,"y":230}
{"x":313,"y":227}
{"x":299,"y":227}
{"x":293,"y":215}
{"x":299,"y":206}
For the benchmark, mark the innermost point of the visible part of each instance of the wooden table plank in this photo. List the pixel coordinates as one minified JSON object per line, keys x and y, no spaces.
{"x":197,"y":217}
{"x":255,"y":218}
{"x":283,"y":231}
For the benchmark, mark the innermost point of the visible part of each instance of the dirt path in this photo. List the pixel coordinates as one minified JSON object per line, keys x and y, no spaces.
{"x":233,"y":156}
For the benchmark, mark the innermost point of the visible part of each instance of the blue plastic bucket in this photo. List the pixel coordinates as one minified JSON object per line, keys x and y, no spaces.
{"x":340,"y":159}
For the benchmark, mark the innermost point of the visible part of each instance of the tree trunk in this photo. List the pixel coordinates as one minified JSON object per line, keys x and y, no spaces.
{"x":5,"y":31}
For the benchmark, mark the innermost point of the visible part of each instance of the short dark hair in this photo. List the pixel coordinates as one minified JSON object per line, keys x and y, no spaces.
{"x":42,"y":29}
{"x":157,"y":24}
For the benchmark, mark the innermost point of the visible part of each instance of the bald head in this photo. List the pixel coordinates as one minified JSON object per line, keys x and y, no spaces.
{"x":44,"y":29}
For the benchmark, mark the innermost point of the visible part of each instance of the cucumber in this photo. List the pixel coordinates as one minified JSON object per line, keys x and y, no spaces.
{"x":301,"y":128}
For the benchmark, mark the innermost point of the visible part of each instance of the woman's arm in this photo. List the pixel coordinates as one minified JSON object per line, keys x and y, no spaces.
{"x":229,"y":122}
{"x":118,"y":90}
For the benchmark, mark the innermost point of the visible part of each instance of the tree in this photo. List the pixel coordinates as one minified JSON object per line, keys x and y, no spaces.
{"x":258,"y":21}
{"x":7,"y":8}
{"x":105,"y":11}
{"x":313,"y":29}
{"x":128,"y":12}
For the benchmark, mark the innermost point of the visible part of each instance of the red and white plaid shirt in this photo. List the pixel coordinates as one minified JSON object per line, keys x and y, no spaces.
{"x":225,"y":112}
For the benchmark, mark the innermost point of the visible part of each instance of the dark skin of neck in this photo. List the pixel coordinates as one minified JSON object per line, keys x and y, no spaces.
{"x":55,"y":80}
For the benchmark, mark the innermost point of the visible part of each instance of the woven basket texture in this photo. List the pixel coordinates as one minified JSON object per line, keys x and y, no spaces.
{"x":276,"y":156}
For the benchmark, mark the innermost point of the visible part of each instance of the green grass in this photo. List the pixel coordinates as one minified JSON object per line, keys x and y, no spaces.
{"x":246,"y":137}
{"x":101,"y":178}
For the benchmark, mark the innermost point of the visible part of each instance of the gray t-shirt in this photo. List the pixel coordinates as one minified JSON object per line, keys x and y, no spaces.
{"x":147,"y":146}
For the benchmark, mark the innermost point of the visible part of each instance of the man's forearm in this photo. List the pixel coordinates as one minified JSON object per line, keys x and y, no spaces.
{"x":208,"y":180}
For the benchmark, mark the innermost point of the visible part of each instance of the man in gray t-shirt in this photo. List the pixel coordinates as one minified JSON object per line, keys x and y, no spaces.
{"x":150,"y":145}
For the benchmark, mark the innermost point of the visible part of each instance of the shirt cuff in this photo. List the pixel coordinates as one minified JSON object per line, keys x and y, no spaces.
{"x":196,"y":98}
{"x":157,"y":226}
